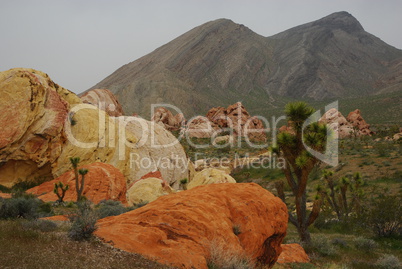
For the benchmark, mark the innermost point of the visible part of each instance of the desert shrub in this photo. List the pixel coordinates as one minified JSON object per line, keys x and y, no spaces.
{"x":384,"y":216}
{"x":41,"y":225}
{"x":339,"y":242}
{"x":109,"y":208}
{"x":83,"y":222}
{"x":322,"y":246}
{"x":221,"y":258}
{"x":27,"y":207}
{"x":388,"y":262}
{"x":365,"y":244}
{"x":23,"y":185}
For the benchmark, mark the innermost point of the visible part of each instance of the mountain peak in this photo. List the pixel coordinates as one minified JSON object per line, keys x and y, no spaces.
{"x":340,"y":20}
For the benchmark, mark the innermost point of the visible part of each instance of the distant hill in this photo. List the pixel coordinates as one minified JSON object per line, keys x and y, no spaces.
{"x":221,"y":62}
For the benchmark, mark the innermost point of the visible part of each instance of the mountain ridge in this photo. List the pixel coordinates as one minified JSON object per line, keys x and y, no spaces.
{"x":221,"y":62}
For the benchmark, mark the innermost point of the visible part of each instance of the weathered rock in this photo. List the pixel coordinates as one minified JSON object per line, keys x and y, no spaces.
{"x":356,"y":119}
{"x":210,"y":176}
{"x":33,"y":110}
{"x":164,"y":117}
{"x":235,"y":117}
{"x":397,"y":137}
{"x":337,"y":122}
{"x":292,"y":253}
{"x":5,"y":195}
{"x":95,"y":137}
{"x":103,"y":182}
{"x":156,"y":149}
{"x":46,"y":125}
{"x":104,"y":100}
{"x":200,"y":127}
{"x":147,"y":190}
{"x":181,"y":228}
{"x":56,"y":218}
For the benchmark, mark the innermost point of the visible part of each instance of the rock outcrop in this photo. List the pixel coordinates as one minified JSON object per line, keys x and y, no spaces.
{"x":200,"y":127}
{"x":33,"y":110}
{"x":235,"y":117}
{"x":45,"y":125}
{"x":104,"y":100}
{"x":357,"y":121}
{"x":210,"y":176}
{"x":180,"y":229}
{"x":293,"y":253}
{"x":338,"y":123}
{"x":103,"y":182}
{"x":147,"y":190}
{"x":164,"y":117}
{"x":156,"y":150}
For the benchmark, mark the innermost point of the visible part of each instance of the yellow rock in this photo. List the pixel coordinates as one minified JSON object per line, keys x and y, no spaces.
{"x":147,"y":190}
{"x":210,"y":176}
{"x":32,"y":113}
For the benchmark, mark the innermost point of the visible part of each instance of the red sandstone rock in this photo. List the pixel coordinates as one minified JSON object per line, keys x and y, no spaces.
{"x":356,"y":119}
{"x":103,"y":182}
{"x":178,"y":229}
{"x":337,"y":122}
{"x":56,"y":218}
{"x":239,"y":120}
{"x":293,"y":253}
{"x":104,"y":100}
{"x":164,"y":117}
{"x":5,"y":195}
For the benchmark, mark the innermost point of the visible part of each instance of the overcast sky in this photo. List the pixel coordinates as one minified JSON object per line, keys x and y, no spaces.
{"x":80,"y":42}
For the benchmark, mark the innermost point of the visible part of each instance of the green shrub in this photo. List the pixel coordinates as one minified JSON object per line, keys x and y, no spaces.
{"x":384,"y":216}
{"x":83,"y":222}
{"x":322,"y":246}
{"x":41,"y":225}
{"x":365,"y":244}
{"x":109,"y":208}
{"x":388,"y":262}
{"x":26,"y":207}
{"x":339,"y":242}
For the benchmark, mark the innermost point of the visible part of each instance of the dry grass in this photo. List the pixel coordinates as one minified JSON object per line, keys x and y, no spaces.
{"x":30,"y":248}
{"x":222,"y":258}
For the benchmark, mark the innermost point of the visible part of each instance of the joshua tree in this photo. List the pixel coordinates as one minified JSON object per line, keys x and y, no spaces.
{"x":63,"y":189}
{"x":78,"y":185}
{"x":300,"y":163}
{"x":336,"y":193}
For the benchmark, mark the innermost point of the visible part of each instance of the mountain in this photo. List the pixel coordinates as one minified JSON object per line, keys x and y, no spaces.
{"x":221,"y":62}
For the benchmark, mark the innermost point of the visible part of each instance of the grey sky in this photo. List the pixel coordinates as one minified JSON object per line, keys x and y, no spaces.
{"x":80,"y":42}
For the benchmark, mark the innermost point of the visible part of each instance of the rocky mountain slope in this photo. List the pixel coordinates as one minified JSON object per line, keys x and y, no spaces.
{"x":221,"y":62}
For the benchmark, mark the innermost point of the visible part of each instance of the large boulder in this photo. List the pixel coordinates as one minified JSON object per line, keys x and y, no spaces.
{"x":337,"y":122}
{"x":210,"y":176}
{"x":200,"y":127}
{"x":33,"y":110}
{"x":147,"y":190}
{"x":182,"y":229}
{"x":357,"y":121}
{"x":104,"y":100}
{"x":293,"y":253}
{"x":165,"y":118}
{"x":102,"y":182}
{"x":156,"y":150}
{"x":45,"y":125}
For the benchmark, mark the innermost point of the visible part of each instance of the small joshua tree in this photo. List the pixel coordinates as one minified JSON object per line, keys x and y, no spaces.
{"x":184,"y":182}
{"x":336,"y":193}
{"x":78,"y":185}
{"x":63,"y":189}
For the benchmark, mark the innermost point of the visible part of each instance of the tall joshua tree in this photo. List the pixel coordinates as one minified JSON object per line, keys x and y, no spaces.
{"x":300,"y":162}
{"x":78,"y":185}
